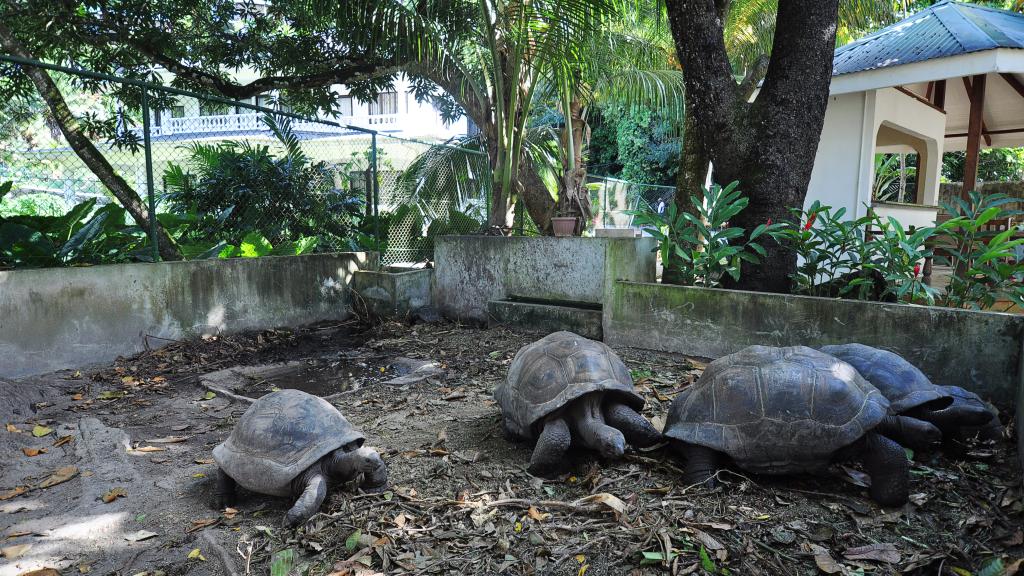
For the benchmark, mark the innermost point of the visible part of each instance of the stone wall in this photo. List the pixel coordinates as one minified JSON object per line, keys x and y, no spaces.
{"x":68,"y":317}
{"x":981,"y":351}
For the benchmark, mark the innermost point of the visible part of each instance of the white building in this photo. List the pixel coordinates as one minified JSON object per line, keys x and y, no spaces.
{"x":947,"y":78}
{"x":396,"y":112}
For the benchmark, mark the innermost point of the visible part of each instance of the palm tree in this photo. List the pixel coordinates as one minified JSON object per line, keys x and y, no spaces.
{"x":506,"y":60}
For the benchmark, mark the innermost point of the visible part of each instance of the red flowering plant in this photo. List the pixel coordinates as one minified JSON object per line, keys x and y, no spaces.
{"x":702,"y":247}
{"x":838,"y":258}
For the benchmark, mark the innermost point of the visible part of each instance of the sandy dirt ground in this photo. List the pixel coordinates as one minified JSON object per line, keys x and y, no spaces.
{"x":108,"y":470}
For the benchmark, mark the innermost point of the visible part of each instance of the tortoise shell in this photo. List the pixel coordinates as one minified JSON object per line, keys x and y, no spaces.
{"x":777,"y":410}
{"x":550,"y":373}
{"x":899,"y":381}
{"x":280,"y":436}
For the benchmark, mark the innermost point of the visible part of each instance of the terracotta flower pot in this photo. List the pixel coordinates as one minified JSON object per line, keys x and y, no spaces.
{"x":563,"y":225}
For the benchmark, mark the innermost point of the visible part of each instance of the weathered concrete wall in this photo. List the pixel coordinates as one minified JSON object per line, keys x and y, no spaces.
{"x":66,"y":317}
{"x":393,"y":294}
{"x":472,"y":270}
{"x":977,"y":350}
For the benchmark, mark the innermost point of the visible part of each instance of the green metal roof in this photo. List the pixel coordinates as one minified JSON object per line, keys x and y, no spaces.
{"x":945,"y":29}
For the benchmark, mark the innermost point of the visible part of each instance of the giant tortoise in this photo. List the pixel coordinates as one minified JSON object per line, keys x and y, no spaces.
{"x":791,"y":410}
{"x":566,"y":389}
{"x":290,"y":443}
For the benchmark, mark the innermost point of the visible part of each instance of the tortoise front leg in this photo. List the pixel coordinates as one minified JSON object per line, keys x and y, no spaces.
{"x":701,"y":463}
{"x":549,"y":454}
{"x":637,"y":430}
{"x":345,"y":466}
{"x":312,"y":489}
{"x":226,"y":490}
{"x":887,"y":464}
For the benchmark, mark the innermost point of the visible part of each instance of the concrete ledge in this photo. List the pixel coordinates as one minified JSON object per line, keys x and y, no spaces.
{"x":545,"y":318}
{"x":981,"y":351}
{"x":66,"y":317}
{"x":393,"y":294}
{"x":473,"y":270}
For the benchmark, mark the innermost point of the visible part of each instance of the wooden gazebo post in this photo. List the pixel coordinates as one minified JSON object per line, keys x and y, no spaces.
{"x":976,"y":93}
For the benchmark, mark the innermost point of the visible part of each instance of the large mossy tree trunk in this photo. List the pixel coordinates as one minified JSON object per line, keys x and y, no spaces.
{"x":768,"y":145}
{"x":84,"y":148}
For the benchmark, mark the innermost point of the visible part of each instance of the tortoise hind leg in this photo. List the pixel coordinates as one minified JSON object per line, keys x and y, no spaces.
{"x":702,"y":463}
{"x":226,"y":493}
{"x":313,"y":488}
{"x":886,"y":463}
{"x":549,"y":454}
{"x":637,"y":430}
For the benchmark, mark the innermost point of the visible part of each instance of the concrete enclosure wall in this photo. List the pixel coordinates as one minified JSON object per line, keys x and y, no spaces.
{"x":66,"y":317}
{"x":472,"y":270}
{"x":981,"y":351}
{"x":393,"y":294}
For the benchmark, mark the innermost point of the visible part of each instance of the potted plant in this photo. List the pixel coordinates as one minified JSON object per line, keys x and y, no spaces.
{"x":564,"y":224}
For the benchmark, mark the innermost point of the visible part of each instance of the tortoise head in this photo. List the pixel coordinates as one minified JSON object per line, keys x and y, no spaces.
{"x":610,"y":442}
{"x":964,"y":409}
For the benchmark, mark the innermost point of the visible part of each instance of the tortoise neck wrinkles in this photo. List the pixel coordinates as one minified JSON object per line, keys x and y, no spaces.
{"x":588,"y":425}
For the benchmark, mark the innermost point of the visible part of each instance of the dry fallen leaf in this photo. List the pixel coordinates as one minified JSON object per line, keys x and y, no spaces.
{"x":537,"y":514}
{"x":59,"y":477}
{"x":76,"y":397}
{"x":140,"y":535}
{"x":12,"y":428}
{"x":30,"y":452}
{"x":63,"y":440}
{"x":12,"y":552}
{"x":114,"y":494}
{"x":39,"y":431}
{"x":148,"y":449}
{"x":204,"y":460}
{"x":609,"y":500}
{"x":41,"y":572}
{"x":18,"y":491}
{"x":882,"y":552}
{"x":230,"y":513}
{"x":824,"y":560}
{"x":709,"y":541}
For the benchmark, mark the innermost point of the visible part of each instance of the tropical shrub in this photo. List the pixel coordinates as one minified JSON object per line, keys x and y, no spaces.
{"x":33,"y":205}
{"x":985,"y":263}
{"x":702,"y":246}
{"x":839,"y":258}
{"x":247,"y":188}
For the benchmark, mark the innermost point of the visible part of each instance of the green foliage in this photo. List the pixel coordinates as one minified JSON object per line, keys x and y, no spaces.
{"x":832,"y":249}
{"x":702,"y":246}
{"x":637,"y":144}
{"x":32,"y":205}
{"x":886,"y":187}
{"x":985,"y":260}
{"x":994,"y":165}
{"x":250,"y":189}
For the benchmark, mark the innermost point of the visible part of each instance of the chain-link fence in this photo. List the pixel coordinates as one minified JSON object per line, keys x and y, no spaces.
{"x":612,"y":199}
{"x":225,"y":178}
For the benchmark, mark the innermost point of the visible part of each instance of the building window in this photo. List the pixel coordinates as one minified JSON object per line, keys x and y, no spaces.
{"x":345,"y":105}
{"x":207,"y":108}
{"x":385,"y":103}
{"x":177,"y":111}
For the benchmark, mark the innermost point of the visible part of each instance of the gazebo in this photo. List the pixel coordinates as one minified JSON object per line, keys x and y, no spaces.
{"x":948,"y":78}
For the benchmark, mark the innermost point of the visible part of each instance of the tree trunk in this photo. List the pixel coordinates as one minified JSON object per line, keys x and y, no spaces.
{"x":84,"y":148}
{"x":573,"y":198}
{"x":768,"y":145}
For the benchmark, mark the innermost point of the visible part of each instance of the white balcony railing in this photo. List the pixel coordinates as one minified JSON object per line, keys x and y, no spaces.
{"x":254,"y":122}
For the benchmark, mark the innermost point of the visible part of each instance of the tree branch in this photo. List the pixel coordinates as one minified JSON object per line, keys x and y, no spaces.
{"x":84,"y":148}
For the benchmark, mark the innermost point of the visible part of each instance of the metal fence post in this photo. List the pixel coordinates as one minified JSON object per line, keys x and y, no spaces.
{"x":375,"y":190}
{"x":153,"y":237}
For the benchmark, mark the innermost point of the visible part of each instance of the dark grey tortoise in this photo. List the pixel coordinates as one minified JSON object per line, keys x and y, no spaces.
{"x":951,"y":408}
{"x":565,"y":389}
{"x":789,"y":410}
{"x":290,"y":443}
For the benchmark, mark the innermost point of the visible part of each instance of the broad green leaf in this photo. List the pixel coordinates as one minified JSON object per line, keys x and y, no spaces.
{"x":255,"y":245}
{"x":352,"y":542}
